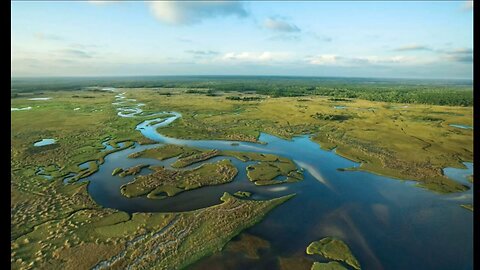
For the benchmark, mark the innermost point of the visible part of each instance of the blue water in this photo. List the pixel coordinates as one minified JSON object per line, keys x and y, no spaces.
{"x":461,"y":126}
{"x":460,"y":175}
{"x":44,"y":142}
{"x":388,"y":224}
{"x":41,"y":172}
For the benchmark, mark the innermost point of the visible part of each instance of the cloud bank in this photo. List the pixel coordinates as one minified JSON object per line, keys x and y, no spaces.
{"x":277,"y":24}
{"x":464,"y":55}
{"x":188,"y":13}
{"x":413,"y":47}
{"x":256,"y":56}
{"x":336,"y":60}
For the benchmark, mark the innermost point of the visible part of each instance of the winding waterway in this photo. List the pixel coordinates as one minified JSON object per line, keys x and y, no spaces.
{"x":388,"y":224}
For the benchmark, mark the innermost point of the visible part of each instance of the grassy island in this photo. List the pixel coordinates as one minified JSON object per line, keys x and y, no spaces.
{"x":242,"y":194}
{"x":163,"y":182}
{"x":263,"y":173}
{"x":335,"y":249}
{"x":132,"y":170}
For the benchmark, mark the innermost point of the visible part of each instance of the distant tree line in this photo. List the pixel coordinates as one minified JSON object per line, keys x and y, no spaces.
{"x":439,"y":92}
{"x":244,"y":98}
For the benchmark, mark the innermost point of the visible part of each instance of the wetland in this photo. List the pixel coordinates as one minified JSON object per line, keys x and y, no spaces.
{"x":203,"y":181}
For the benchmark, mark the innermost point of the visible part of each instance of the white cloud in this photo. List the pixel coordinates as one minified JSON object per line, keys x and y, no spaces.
{"x":413,"y":47}
{"x":462,"y":51}
{"x":277,"y":24}
{"x":98,"y":2}
{"x":336,"y":60}
{"x":326,"y":59}
{"x":202,"y":53}
{"x":257,"y":57}
{"x":384,"y":60}
{"x":464,"y":55}
{"x":185,"y":13}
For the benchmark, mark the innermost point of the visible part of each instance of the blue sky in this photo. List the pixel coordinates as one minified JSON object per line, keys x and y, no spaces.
{"x":346,"y":39}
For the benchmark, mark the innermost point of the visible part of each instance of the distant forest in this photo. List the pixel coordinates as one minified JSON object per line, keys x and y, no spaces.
{"x":436,"y":92}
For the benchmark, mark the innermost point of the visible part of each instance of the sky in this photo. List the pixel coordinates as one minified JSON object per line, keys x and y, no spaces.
{"x":411,"y":39}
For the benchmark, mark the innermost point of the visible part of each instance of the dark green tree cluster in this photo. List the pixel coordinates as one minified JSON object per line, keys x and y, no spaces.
{"x":244,"y":98}
{"x":331,"y":117}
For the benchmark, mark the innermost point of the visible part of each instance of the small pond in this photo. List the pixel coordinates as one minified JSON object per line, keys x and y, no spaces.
{"x":44,"y":142}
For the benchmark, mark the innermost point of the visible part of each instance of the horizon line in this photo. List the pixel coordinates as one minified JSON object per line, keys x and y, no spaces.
{"x":238,"y":75}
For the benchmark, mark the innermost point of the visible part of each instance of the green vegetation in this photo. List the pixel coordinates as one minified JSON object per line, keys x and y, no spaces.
{"x":340,"y":99}
{"x":251,"y":156}
{"x":132,"y":170}
{"x":117,"y":171}
{"x":426,"y":118}
{"x":69,"y":242}
{"x":470,"y":178}
{"x":58,"y":225}
{"x":242,"y":194}
{"x":327,"y":266}
{"x":194,"y":158}
{"x":186,"y":155}
{"x":53,"y":224}
{"x":265,"y":172}
{"x":165,"y":152}
{"x":190,"y":236}
{"x":335,"y":249}
{"x":331,"y":117}
{"x":90,"y":237}
{"x":254,"y":98}
{"x":381,"y":139}
{"x":79,"y":134}
{"x":438,"y":92}
{"x":163,"y":182}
